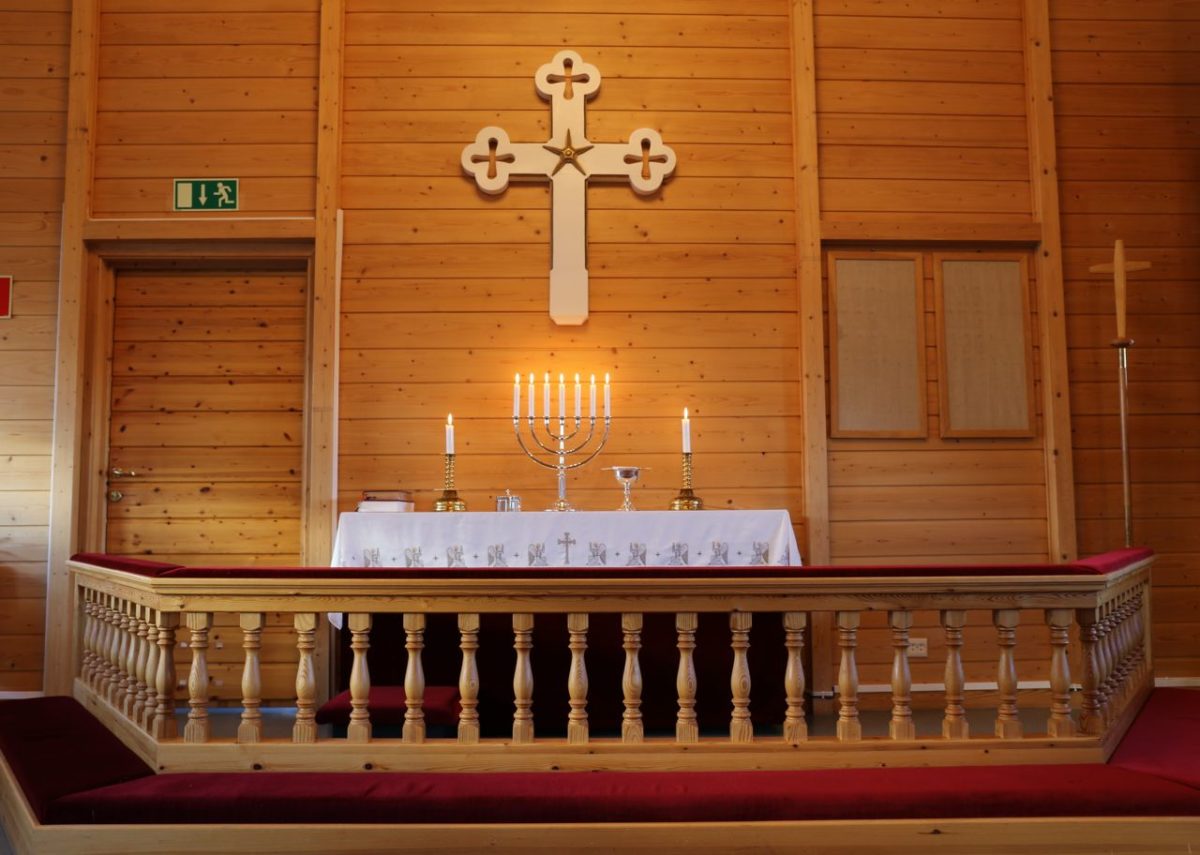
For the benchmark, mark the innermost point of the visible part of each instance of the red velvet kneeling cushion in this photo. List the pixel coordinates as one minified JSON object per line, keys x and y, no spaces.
{"x":56,"y":747}
{"x":1164,"y":739}
{"x":140,"y":566}
{"x":1117,"y":559}
{"x":407,"y":797}
{"x":387,"y":705}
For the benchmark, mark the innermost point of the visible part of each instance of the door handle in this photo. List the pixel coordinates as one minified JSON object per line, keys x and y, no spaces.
{"x":117,"y":472}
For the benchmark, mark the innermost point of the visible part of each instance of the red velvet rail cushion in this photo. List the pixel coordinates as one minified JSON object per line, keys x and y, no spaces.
{"x":1164,"y":740}
{"x":704,"y":572}
{"x":358,"y":797}
{"x":1117,"y":559}
{"x":1099,"y":564}
{"x":55,"y":747}
{"x":388,"y":704}
{"x":139,"y":566}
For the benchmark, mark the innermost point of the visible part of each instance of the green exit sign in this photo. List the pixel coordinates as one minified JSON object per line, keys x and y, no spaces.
{"x":206,"y":194}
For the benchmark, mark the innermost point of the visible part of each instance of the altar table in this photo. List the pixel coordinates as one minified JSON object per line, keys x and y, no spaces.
{"x":579,"y":539}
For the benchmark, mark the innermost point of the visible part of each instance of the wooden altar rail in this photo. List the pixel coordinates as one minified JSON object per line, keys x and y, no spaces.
{"x":127,"y":667}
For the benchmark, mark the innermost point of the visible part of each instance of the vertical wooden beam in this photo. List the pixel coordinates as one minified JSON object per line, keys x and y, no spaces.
{"x":1052,"y":314}
{"x":808,"y":264}
{"x":815,"y":462}
{"x":66,"y":471}
{"x":320,"y":506}
{"x":325,"y":294}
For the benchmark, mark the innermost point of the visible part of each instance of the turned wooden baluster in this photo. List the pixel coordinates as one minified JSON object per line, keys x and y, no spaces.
{"x":577,"y":680}
{"x":1104,"y":650}
{"x":129,"y":679}
{"x":523,"y":679}
{"x":1125,"y":646}
{"x":119,"y":687}
{"x":631,"y":680}
{"x":1111,"y":684}
{"x":107,"y":647}
{"x":468,"y":679}
{"x":414,"y":679}
{"x":250,"y":728}
{"x":112,"y":652}
{"x":901,"y":726}
{"x":1132,"y":651}
{"x":1091,"y":719}
{"x":305,"y":727}
{"x":687,"y":728}
{"x":954,"y":724}
{"x":99,"y":634}
{"x":795,"y":728}
{"x":149,"y":707}
{"x":141,"y":694}
{"x":103,"y":644}
{"x":197,"y":728}
{"x":1137,"y":640}
{"x":1139,"y":632}
{"x":1060,"y":722}
{"x":89,"y":628}
{"x":741,"y":728}
{"x":117,"y":651}
{"x":359,"y":729}
{"x":1116,"y":645}
{"x":163,"y":726}
{"x":1008,"y":721}
{"x":849,"y":728}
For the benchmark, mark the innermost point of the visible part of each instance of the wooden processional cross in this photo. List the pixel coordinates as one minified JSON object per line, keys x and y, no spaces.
{"x":568,"y":160}
{"x":1119,"y":267}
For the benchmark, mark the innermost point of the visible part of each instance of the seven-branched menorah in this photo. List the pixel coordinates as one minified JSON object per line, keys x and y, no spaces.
{"x":561,"y":444}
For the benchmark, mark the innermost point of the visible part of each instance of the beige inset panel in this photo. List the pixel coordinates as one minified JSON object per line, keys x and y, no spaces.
{"x":876,"y":346}
{"x":983,"y":331}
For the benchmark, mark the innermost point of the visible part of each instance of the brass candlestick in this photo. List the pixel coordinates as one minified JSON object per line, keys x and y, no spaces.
{"x":687,"y":500}
{"x":449,"y":500}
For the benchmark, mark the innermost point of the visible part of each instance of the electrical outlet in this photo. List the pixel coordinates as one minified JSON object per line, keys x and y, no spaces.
{"x":918,"y":648}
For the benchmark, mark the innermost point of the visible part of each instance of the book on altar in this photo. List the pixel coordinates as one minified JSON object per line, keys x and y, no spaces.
{"x":385,"y":501}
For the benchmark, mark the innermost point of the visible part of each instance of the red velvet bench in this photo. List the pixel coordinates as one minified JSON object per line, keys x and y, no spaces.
{"x":73,"y":770}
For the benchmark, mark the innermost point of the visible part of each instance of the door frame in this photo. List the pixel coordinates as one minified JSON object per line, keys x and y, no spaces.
{"x":82,"y":393}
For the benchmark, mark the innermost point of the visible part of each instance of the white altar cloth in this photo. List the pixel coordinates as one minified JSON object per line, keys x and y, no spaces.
{"x":580,"y":539}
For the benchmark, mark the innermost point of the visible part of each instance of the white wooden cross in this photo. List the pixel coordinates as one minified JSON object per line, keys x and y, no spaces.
{"x":568,"y":160}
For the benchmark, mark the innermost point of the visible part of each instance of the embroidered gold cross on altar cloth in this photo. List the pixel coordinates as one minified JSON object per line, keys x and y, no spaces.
{"x":568,"y":161}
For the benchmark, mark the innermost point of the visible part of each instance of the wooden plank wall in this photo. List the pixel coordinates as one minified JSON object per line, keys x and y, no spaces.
{"x":922,"y":132}
{"x":208,"y":89}
{"x":921,"y":113}
{"x":693,"y":292}
{"x":1127,"y":99}
{"x":34,"y":39}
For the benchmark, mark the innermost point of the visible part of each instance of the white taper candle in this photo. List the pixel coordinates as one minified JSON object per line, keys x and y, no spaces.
{"x":687,"y":433}
{"x":450,"y":434}
{"x":562,"y":402}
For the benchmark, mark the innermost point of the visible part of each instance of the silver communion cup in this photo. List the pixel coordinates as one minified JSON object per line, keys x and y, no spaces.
{"x":625,"y":476}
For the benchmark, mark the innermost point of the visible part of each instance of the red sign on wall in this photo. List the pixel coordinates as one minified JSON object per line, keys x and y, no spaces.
{"x":6,"y":288}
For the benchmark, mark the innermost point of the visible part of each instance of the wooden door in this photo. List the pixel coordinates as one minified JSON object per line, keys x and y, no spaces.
{"x":206,"y":434}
